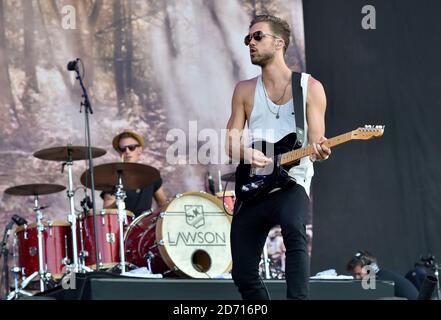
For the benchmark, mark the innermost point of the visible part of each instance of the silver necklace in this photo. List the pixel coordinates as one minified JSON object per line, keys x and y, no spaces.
{"x":267,"y":98}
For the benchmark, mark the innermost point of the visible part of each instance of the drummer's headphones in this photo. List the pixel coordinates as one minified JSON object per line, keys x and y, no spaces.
{"x":360,"y":256}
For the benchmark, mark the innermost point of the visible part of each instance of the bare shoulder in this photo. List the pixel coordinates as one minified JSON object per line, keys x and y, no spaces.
{"x":314,"y":85}
{"x":316,"y":94}
{"x":245,"y":86}
{"x":316,"y":91}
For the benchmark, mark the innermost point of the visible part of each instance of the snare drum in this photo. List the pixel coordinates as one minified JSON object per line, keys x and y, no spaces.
{"x":189,"y":236}
{"x":107,"y":226}
{"x":56,"y":247}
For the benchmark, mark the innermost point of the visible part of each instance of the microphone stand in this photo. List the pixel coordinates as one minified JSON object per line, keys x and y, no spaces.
{"x":87,"y":110}
{"x":5,"y":253}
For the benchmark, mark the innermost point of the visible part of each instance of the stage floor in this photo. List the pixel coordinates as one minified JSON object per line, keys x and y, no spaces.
{"x":105,"y":286}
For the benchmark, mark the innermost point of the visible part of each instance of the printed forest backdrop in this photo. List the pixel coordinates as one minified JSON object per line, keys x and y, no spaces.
{"x":150,"y":65}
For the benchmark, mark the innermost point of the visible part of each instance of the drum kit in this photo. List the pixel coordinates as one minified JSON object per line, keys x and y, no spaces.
{"x":188,"y":237}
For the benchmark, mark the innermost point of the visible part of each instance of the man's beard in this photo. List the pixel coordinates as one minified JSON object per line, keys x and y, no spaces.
{"x":262,"y":60}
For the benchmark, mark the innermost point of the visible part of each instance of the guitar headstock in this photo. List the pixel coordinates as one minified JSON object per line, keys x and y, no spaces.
{"x":368,"y":132}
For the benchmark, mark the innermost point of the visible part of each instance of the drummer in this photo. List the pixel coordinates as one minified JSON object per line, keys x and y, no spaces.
{"x":130,"y":146}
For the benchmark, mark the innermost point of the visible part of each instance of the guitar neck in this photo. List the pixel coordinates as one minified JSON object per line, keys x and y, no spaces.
{"x":290,"y":157}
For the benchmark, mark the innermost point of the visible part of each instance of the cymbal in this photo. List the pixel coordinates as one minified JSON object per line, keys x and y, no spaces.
{"x":231,"y":177}
{"x":62,"y":153}
{"x":134,"y":175}
{"x":34,"y":189}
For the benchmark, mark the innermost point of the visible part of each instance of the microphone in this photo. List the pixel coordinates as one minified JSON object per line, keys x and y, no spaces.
{"x":18,"y":220}
{"x":86,"y":204}
{"x":211,"y":184}
{"x":73,"y":65}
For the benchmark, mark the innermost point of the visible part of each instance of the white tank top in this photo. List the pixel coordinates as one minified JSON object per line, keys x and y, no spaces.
{"x":263,"y":125}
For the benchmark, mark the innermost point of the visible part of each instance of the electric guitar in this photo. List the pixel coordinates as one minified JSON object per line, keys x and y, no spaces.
{"x":252,"y":183}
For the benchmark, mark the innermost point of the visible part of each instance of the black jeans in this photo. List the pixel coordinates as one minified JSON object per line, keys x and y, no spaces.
{"x":249,"y":230}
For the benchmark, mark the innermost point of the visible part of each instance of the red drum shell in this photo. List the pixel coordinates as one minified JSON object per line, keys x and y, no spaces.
{"x":56,"y":238}
{"x":108,"y":237}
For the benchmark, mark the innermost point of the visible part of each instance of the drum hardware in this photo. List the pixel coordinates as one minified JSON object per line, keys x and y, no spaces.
{"x":18,"y":272}
{"x":110,"y":237}
{"x":122,"y":218}
{"x":35,"y":190}
{"x":83,"y":254}
{"x":229,"y":177}
{"x":149,"y":257}
{"x":50,"y":223}
{"x":219,"y":180}
{"x":187,"y":237}
{"x":102,"y":212}
{"x":68,"y":155}
{"x":117,"y":176}
{"x":108,"y":250}
{"x":5,"y":253}
{"x":42,"y":272}
{"x":26,"y":231}
{"x":266,"y":262}
{"x":65,"y":261}
{"x":74,"y":66}
{"x":171,"y":270}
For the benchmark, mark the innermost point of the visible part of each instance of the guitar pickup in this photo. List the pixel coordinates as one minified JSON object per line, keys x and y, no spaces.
{"x":245,"y":188}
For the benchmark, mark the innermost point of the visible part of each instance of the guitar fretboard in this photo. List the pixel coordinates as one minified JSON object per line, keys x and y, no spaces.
{"x":292,"y":156}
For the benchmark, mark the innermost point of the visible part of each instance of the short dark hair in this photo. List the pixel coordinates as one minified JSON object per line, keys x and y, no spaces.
{"x":278,"y":26}
{"x":361,"y":259}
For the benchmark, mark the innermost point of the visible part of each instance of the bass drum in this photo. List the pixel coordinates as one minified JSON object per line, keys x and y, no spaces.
{"x":189,"y":236}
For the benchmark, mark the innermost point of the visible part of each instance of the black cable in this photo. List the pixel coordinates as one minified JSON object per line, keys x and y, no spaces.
{"x":264,"y":285}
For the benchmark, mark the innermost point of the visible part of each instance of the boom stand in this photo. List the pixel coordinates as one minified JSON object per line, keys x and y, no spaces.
{"x":88,"y":109}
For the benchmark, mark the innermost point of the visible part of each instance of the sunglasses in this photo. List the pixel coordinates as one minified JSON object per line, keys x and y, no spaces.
{"x":258,"y":35}
{"x":131,"y":147}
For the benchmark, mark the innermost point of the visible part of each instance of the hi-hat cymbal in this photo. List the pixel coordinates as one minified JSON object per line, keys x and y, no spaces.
{"x":231,"y":177}
{"x":134,"y":175}
{"x":34,"y":189}
{"x":62,"y":153}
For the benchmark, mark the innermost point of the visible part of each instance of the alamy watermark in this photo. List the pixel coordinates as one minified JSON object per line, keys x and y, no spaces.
{"x":211,"y":146}
{"x":68,"y":17}
{"x":69,"y":281}
{"x":368,"y":282}
{"x":369,"y":19}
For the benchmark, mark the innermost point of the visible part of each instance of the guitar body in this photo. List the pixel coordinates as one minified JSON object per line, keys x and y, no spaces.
{"x":250,"y":184}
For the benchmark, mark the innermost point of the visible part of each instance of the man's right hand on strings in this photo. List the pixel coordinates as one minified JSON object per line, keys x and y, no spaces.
{"x":256,"y":158}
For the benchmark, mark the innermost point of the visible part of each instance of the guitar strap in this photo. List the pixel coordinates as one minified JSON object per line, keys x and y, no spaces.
{"x":297,"y":94}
